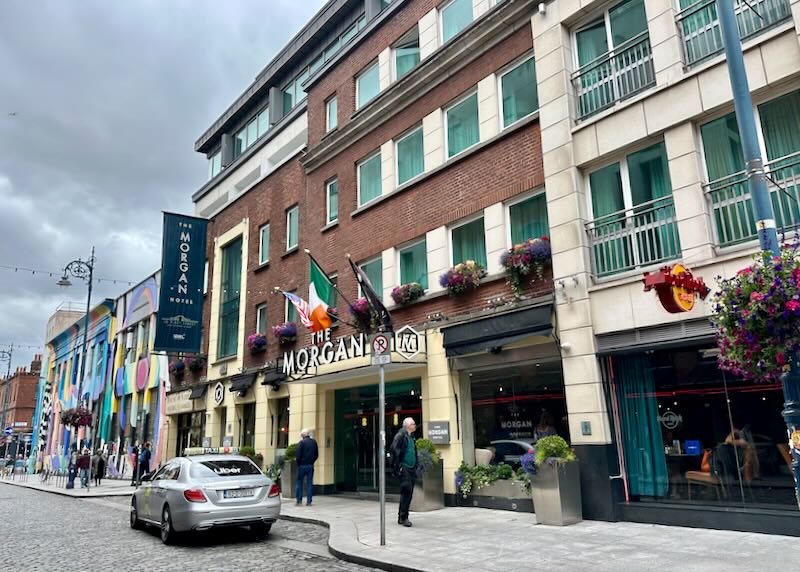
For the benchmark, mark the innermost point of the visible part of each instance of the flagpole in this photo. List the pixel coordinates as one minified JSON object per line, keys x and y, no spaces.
{"x":335,"y":287}
{"x":277,"y":290}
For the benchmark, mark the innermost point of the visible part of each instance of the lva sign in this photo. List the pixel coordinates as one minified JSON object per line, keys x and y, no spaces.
{"x":406,"y":341}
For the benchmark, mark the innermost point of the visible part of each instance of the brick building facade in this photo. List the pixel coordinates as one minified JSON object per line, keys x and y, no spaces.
{"x":18,"y":402}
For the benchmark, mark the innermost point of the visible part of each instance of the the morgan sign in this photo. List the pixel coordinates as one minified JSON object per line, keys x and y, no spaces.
{"x":407,"y":342}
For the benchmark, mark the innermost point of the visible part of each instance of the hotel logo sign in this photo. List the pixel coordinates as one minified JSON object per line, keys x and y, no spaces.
{"x":676,"y":287}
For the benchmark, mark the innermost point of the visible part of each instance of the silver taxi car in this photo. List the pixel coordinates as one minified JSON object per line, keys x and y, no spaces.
{"x":205,"y":489}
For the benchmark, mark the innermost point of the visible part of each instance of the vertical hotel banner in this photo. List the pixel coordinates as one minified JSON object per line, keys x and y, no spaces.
{"x":180,"y":301}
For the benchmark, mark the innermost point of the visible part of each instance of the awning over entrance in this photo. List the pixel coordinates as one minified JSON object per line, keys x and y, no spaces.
{"x":497,"y":331}
{"x":198,"y":391}
{"x":242,"y":382}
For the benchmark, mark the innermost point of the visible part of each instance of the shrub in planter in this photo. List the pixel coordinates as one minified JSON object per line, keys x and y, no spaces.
{"x":470,"y":479}
{"x":286,"y":333}
{"x":257,"y":343}
{"x":756,"y":315}
{"x":524,"y":260}
{"x":407,"y":293}
{"x":365,"y":319}
{"x":195,"y":364}
{"x":556,"y":486}
{"x":553,"y":449}
{"x":291,"y":453}
{"x":251,"y":454}
{"x":462,"y":277}
{"x":427,"y":456}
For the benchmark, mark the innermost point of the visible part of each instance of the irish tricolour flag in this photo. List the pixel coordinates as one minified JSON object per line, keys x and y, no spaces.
{"x":320,"y":296}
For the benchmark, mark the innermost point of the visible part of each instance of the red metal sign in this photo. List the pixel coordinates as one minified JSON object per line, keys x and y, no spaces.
{"x":676,"y":287}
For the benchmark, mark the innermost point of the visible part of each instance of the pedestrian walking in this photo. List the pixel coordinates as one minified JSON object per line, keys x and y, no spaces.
{"x":307,"y":454}
{"x":72,"y":467}
{"x":404,"y":462}
{"x":134,"y":464}
{"x":83,"y":465}
{"x":98,"y":466}
{"x":144,"y":462}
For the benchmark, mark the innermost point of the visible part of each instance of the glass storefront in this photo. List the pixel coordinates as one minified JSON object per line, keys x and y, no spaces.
{"x":247,"y":434}
{"x":282,"y":427}
{"x":356,"y":432}
{"x":692,"y":433}
{"x":191,"y":428}
{"x":512,"y":407}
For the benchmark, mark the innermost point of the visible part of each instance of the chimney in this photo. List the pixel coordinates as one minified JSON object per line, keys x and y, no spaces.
{"x":36,"y":364}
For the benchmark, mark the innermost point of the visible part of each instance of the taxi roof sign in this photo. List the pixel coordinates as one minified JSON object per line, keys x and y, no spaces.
{"x":190,"y":451}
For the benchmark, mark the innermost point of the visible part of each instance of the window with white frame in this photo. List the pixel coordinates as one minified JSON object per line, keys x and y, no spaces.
{"x":374,"y":271}
{"x":462,"y":125}
{"x":263,"y":244}
{"x":518,"y":91}
{"x":231,"y":280}
{"x":455,"y":16}
{"x":406,"y":53}
{"x":367,"y":85}
{"x":413,"y":262}
{"x":292,"y":227}
{"x":289,"y":311}
{"x":251,"y":132}
{"x":468,"y":242}
{"x":369,"y":179}
{"x":214,"y":164}
{"x":410,"y":156}
{"x":261,"y":319}
{"x":528,"y":218}
{"x":332,"y":200}
{"x":330,"y":114}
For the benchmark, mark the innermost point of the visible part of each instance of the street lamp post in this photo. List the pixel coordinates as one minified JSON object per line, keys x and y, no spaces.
{"x":83,"y":270}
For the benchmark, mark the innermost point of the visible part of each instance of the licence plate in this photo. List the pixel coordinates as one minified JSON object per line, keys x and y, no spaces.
{"x":238,"y":493}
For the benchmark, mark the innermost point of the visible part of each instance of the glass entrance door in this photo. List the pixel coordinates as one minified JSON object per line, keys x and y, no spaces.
{"x":357,"y":432}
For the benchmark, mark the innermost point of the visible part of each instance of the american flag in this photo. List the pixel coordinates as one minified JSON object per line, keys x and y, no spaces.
{"x":302,"y":308}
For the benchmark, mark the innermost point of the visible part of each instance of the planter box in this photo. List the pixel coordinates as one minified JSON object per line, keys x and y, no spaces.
{"x":288,"y":479}
{"x":429,"y":490}
{"x":500,"y":495}
{"x":556,"y":491}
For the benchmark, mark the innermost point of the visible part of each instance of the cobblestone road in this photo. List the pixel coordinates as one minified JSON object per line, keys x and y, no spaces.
{"x":42,"y":531}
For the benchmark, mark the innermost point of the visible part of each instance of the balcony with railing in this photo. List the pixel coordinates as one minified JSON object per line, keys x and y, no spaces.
{"x":634,"y":238}
{"x":732,"y":209}
{"x":615,"y":76}
{"x":700,"y":31}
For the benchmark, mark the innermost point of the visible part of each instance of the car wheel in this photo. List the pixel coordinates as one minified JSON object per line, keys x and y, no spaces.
{"x":260,"y":529}
{"x":136,"y":524}
{"x":168,"y":534}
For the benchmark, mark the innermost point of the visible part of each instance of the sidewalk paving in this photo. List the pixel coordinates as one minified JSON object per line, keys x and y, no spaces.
{"x":108,"y":488}
{"x":472,"y":539}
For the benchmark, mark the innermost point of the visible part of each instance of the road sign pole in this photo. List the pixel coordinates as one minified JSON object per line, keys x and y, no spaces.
{"x":382,"y":451}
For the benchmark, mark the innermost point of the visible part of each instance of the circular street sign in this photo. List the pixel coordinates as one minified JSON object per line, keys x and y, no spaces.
{"x":380,"y":344}
{"x":219,"y":393}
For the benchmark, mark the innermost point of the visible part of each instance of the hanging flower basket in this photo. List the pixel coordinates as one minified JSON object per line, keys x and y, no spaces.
{"x":525,"y":260}
{"x":364,"y":319}
{"x":462,"y":277}
{"x":195,"y":364}
{"x":257,"y":343}
{"x":286,"y":333}
{"x":407,"y":293}
{"x":177,"y":367}
{"x":77,"y":417}
{"x":756,"y":314}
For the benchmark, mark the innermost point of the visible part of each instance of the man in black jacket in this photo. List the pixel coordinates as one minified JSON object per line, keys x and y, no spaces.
{"x":404,"y":462}
{"x":306,"y":454}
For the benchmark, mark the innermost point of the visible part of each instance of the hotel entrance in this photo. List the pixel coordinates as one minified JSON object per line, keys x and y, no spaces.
{"x":357,"y":432}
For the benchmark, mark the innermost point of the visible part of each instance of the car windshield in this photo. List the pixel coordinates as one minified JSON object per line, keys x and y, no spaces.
{"x":223,"y":468}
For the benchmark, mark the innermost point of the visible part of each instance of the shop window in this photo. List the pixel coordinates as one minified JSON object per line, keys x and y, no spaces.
{"x":247,"y":434}
{"x":518,"y":92}
{"x":367,"y":86}
{"x":410,"y":156}
{"x":229,"y":301}
{"x":528,"y":219}
{"x":469,"y":242}
{"x":691,"y":433}
{"x":369,"y":179}
{"x":414,"y":264}
{"x":282,"y":424}
{"x":462,"y":125}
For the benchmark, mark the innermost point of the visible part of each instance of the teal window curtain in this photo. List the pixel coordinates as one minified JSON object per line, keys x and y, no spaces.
{"x":648,"y":174}
{"x":612,"y":250}
{"x":462,"y":125}
{"x":414,"y":264}
{"x":252,"y":132}
{"x":528,"y":219}
{"x":240,"y":142}
{"x":628,"y":20}
{"x":722,"y":147}
{"x":406,"y":58}
{"x":369,"y":180}
{"x":520,"y":96}
{"x":261,"y":319}
{"x":291,"y":312}
{"x":229,"y":303}
{"x":333,"y":201}
{"x":469,"y":243}
{"x":592,"y":42}
{"x":455,"y":17}
{"x":332,"y":112}
{"x":292,"y":227}
{"x":410,"y":157}
{"x":640,"y":427}
{"x":368,"y":85}
{"x":263,"y":122}
{"x":780,"y":123}
{"x":264,"y":245}
{"x":374,"y":271}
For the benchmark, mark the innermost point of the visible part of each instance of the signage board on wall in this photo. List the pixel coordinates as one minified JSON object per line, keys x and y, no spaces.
{"x":676,"y":288}
{"x":439,"y":432}
{"x":178,"y":403}
{"x":180,"y":300}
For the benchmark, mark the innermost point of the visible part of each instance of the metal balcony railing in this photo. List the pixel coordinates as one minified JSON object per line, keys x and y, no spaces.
{"x":614,"y":76}
{"x":732,"y":209}
{"x":642,"y":236}
{"x":699,"y":26}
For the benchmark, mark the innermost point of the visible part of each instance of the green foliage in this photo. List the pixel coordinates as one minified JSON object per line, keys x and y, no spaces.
{"x":427,"y":445}
{"x":291,"y":452}
{"x":273,"y":472}
{"x":553,"y":449}
{"x":525,"y":479}
{"x":470,"y":479}
{"x":251,"y":454}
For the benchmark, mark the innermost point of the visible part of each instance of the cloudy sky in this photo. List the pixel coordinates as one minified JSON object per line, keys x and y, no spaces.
{"x":100,"y":104}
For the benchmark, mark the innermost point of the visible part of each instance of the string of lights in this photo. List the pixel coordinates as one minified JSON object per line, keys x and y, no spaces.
{"x":52,"y":274}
